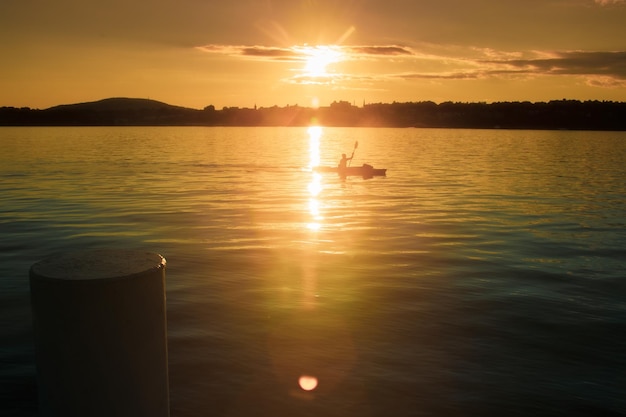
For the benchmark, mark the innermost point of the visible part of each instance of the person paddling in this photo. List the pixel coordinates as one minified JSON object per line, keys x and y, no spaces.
{"x":344,"y":161}
{"x":342,"y":168}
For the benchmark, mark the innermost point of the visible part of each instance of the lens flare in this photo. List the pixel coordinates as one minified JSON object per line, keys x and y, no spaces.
{"x":307,"y":382}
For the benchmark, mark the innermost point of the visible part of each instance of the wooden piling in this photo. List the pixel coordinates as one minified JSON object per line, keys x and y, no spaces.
{"x":100,"y":334}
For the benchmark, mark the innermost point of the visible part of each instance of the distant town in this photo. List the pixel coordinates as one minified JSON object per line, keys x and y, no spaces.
{"x":558,"y":114}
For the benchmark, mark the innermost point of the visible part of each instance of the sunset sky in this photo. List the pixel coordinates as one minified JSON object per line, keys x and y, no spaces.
{"x":243,"y":53}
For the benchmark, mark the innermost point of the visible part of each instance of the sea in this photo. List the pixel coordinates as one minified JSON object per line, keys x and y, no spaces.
{"x":484,"y":275}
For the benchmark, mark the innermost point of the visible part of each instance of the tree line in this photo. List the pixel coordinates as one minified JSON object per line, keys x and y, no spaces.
{"x":558,"y":114}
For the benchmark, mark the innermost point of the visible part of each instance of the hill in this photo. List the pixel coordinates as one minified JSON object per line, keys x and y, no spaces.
{"x":122,"y":104}
{"x":114,"y":112}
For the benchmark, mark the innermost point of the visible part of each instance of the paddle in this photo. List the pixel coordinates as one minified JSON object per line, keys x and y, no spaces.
{"x":356,"y":145}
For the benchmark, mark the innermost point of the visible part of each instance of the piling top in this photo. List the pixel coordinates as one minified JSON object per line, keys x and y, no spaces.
{"x":97,"y":264}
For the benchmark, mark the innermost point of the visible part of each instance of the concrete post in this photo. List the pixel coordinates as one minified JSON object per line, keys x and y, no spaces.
{"x":100,"y":334}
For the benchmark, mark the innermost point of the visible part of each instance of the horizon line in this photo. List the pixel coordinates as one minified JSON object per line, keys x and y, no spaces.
{"x":351,"y":103}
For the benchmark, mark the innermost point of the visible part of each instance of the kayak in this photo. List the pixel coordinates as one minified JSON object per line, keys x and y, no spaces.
{"x":365,"y":171}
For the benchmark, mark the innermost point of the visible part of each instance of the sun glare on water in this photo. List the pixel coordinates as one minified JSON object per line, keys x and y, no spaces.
{"x":315,"y":186}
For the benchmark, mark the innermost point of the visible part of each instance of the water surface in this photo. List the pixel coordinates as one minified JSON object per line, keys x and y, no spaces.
{"x":483,"y":275}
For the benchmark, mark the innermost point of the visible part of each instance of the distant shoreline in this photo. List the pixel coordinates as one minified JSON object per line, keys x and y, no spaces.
{"x":553,"y":115}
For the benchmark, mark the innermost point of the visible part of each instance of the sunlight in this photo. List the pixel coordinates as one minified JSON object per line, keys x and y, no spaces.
{"x":314,"y":227}
{"x":314,"y":208}
{"x":318,"y":58}
{"x":315,"y":133}
{"x":315,"y":186}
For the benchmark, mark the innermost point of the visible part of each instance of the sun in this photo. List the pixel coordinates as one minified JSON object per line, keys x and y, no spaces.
{"x":318,"y":58}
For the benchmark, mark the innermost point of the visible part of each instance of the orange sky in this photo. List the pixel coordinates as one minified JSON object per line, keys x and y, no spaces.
{"x":243,"y":53}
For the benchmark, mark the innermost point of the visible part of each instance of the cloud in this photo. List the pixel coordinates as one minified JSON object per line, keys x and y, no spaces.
{"x":608,"y":64}
{"x":253,"y":52}
{"x":599,"y":68}
{"x":605,"y":82}
{"x":264,"y":52}
{"x":298,"y":53}
{"x":393,"y":50}
{"x":609,"y":2}
{"x":460,"y":75}
{"x":313,"y":79}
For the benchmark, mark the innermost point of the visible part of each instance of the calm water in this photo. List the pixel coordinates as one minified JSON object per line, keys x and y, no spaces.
{"x":485,"y":275}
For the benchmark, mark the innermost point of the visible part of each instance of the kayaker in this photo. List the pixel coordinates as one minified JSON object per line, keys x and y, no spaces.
{"x":344,"y":161}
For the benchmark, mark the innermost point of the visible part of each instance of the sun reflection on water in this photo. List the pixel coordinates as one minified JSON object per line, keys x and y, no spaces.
{"x":315,"y":186}
{"x":315,"y":134}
